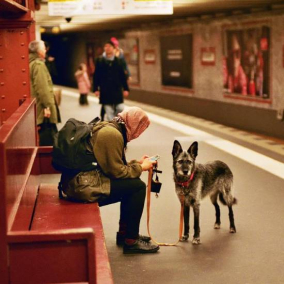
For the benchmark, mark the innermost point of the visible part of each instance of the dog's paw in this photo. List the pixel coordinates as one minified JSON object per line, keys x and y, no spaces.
{"x":196,"y":241}
{"x":233,"y":230}
{"x":217,"y":226}
{"x":184,"y":238}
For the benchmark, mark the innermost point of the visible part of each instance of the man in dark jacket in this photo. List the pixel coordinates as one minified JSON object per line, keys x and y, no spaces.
{"x":110,"y":83}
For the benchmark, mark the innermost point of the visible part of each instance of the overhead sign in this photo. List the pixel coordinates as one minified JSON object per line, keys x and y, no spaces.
{"x":109,"y":7}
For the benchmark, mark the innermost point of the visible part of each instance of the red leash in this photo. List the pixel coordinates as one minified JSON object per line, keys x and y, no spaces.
{"x":150,"y":174}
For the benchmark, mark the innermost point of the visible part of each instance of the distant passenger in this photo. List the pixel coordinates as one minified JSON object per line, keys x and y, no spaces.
{"x":50,"y":63}
{"x":42,"y":89}
{"x":84,"y":84}
{"x":120,"y":54}
{"x":110,"y":83}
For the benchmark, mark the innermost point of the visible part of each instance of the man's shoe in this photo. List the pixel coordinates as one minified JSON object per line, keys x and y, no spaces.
{"x":120,"y":238}
{"x":140,"y":247}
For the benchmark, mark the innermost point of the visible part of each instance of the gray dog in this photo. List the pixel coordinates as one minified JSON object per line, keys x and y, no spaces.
{"x":194,"y":181}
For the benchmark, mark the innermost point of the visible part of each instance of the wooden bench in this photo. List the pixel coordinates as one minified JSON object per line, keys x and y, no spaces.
{"x":43,"y":239}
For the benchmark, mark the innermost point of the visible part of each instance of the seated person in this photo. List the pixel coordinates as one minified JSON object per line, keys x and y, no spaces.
{"x":117,"y":180}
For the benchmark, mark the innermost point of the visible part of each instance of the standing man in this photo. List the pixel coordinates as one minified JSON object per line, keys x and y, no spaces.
{"x":42,"y":89}
{"x":110,"y":83}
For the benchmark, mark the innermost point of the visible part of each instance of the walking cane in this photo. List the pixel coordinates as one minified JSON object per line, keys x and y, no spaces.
{"x":150,"y":174}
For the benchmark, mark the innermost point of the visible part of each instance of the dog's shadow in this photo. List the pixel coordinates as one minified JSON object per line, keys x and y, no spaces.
{"x":215,"y":245}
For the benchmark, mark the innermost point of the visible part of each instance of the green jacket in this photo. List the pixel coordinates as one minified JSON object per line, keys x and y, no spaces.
{"x":42,"y":89}
{"x":108,"y":147}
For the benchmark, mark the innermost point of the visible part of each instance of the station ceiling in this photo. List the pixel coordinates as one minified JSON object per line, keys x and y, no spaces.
{"x":189,"y":9}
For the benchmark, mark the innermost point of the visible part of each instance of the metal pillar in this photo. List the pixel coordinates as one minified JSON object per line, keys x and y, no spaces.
{"x":17,"y":29}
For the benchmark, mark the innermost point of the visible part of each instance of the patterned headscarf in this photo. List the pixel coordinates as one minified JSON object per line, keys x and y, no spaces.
{"x":136,"y":121}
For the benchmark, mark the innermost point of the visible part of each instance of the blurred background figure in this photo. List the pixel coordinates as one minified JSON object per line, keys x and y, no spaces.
{"x":50,"y":63}
{"x":47,"y":111}
{"x":110,"y":83}
{"x":120,"y":54}
{"x":84,"y":83}
{"x":51,"y":66}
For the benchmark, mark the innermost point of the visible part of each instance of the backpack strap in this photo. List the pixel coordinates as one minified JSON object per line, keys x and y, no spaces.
{"x":95,"y":120}
{"x":64,"y":179}
{"x":61,"y":193}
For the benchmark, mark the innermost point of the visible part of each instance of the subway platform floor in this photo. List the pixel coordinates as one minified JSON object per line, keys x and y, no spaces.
{"x":255,"y":254}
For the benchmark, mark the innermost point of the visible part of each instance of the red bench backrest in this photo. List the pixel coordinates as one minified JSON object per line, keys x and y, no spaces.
{"x":17,"y":153}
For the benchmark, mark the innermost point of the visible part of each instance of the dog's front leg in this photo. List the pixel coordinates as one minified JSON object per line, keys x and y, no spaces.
{"x":186,"y":223}
{"x":196,"y":236}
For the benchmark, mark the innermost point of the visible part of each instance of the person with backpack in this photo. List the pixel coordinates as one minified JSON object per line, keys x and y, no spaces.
{"x":113,"y":179}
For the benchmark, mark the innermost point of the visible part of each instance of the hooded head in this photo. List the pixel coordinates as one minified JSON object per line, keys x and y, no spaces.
{"x":136,"y":122}
{"x":115,"y":42}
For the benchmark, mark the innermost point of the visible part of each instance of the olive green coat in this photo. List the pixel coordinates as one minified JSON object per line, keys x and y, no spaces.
{"x":42,"y":88}
{"x":108,"y":146}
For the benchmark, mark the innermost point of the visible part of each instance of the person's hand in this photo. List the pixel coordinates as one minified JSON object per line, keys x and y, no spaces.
{"x":46,"y":112}
{"x":147,"y":164}
{"x":97,"y":94}
{"x":50,"y":58}
{"x":125,"y":94}
{"x":143,"y":158}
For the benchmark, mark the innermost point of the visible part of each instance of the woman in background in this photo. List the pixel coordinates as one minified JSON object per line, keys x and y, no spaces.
{"x":84,"y":84}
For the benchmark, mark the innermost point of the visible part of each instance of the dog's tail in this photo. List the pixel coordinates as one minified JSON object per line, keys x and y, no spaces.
{"x":226,"y":195}
{"x":230,"y":200}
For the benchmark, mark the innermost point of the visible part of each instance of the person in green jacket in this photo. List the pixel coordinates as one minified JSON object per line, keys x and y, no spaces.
{"x":42,"y":89}
{"x":117,"y":180}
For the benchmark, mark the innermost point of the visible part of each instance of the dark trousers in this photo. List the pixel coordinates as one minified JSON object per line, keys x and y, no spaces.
{"x":46,"y":133}
{"x":83,"y":100}
{"x":103,"y":112}
{"x":131,"y":194}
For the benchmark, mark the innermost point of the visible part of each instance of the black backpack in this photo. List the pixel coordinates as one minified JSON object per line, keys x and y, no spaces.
{"x":70,"y":154}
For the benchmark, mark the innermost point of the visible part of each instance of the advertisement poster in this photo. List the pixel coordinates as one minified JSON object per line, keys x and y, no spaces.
{"x":176,"y":58}
{"x":246,"y":62}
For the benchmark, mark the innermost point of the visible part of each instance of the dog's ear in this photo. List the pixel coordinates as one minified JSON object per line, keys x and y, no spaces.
{"x":177,"y":149}
{"x":193,"y":150}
